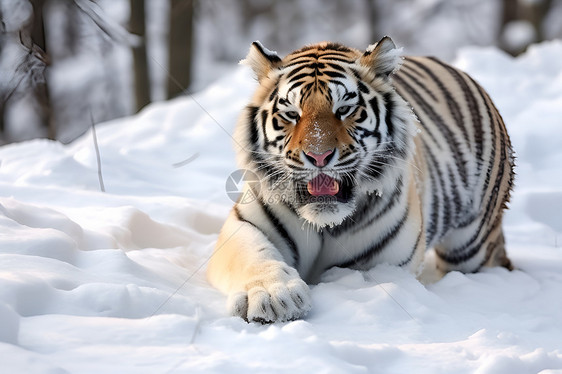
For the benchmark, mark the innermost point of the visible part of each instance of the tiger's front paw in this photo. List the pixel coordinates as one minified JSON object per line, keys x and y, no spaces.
{"x":276,"y":294}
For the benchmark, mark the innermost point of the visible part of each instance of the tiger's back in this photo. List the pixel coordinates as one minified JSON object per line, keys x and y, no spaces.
{"x":468,"y":161}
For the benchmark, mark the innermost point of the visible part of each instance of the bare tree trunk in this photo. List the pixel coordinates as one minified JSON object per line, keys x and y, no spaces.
{"x":72,"y":28}
{"x":3,"y":103}
{"x":372,"y":18}
{"x":536,"y":12}
{"x":41,"y":89}
{"x":509,"y":13}
{"x":3,"y":99}
{"x":180,"y":46}
{"x":516,"y":10}
{"x":140,"y":60}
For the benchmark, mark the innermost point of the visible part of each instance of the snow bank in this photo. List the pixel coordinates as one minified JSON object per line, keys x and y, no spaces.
{"x":114,"y":281}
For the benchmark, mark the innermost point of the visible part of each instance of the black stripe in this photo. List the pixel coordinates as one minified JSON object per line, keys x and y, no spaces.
{"x":404,"y":86}
{"x":336,"y":67}
{"x":455,"y":198}
{"x":403,"y":71}
{"x":330,"y":58}
{"x":389,"y":107}
{"x":336,"y":82}
{"x":240,"y":218}
{"x":295,"y":85}
{"x":317,"y":66}
{"x":300,"y":76}
{"x":264,"y":115}
{"x":254,"y":155}
{"x":263,"y":126}
{"x":306,"y":92}
{"x":298,"y":61}
{"x":252,"y":114}
{"x":432,"y":227}
{"x":273,"y":93}
{"x":452,"y":142}
{"x":443,"y":196}
{"x":362,"y":87}
{"x":492,"y":119}
{"x":409,"y":259}
{"x":374,"y":103}
{"x":490,"y":249}
{"x":413,"y":70}
{"x":312,"y":55}
{"x":295,"y":71}
{"x":452,"y":104}
{"x":365,"y":133}
{"x":345,"y":163}
{"x":282,"y":232}
{"x":362,"y":117}
{"x":275,"y":123}
{"x":329,"y":96}
{"x":294,"y":167}
{"x":329,"y":52}
{"x":470,"y":100}
{"x":376,"y":248}
{"x":334,"y":74}
{"x":390,"y":202}
{"x":335,"y":57}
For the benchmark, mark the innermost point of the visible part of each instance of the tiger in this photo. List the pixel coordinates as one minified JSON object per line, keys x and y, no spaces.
{"x":361,"y":158}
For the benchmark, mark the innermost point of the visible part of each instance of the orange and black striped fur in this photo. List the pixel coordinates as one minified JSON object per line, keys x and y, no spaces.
{"x":364,"y":158}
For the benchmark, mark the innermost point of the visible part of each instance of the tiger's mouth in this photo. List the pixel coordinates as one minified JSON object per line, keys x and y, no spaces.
{"x":325,"y":189}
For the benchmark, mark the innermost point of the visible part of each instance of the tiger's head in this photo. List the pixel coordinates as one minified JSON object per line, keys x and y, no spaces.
{"x":325,"y":127}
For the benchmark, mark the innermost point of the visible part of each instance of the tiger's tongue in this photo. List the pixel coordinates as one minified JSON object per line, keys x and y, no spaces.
{"x":323,"y":185}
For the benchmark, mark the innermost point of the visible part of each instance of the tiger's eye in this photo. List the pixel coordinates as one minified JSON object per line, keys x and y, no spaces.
{"x":343,"y":110}
{"x":292,"y":114}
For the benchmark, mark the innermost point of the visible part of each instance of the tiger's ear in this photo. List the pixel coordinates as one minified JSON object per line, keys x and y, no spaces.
{"x":382,"y":58}
{"x":261,"y":60}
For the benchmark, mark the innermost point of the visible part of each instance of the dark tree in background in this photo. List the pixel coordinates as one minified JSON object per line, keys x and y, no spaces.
{"x":529,"y":18}
{"x":373,"y":17}
{"x":180,"y":46}
{"x":140,"y":59}
{"x":72,"y":29}
{"x":3,"y":93}
{"x":37,"y":46}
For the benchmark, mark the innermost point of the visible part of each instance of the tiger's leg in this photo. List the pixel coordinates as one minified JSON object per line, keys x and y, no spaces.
{"x":496,"y":254}
{"x":477,"y":244}
{"x":260,"y":285}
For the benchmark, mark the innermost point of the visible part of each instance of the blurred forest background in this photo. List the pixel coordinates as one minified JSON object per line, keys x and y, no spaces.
{"x":66,"y":64}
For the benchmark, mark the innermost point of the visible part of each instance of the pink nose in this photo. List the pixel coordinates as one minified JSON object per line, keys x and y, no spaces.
{"x":320,"y":159}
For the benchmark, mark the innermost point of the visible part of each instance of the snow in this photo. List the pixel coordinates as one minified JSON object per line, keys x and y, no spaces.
{"x":115,"y":282}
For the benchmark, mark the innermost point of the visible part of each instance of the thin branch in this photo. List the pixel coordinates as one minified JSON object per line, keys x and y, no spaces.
{"x":186,"y":161}
{"x":98,"y":158}
{"x":113,"y":30}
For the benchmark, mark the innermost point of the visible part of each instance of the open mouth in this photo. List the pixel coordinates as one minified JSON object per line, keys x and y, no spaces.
{"x":325,"y":189}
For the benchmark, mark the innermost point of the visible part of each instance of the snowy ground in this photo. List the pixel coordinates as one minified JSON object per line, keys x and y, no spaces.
{"x":114,"y":282}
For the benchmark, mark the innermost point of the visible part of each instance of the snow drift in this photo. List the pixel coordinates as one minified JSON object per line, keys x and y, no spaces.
{"x":114,"y":281}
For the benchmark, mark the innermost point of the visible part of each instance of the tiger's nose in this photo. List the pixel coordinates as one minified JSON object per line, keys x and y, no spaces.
{"x":320,"y":160}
